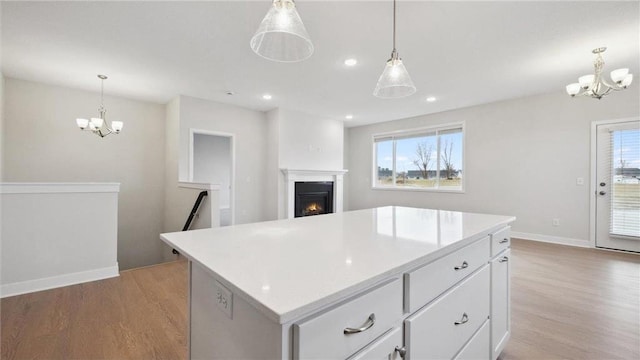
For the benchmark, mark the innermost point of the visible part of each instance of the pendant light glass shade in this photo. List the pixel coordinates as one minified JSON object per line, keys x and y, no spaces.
{"x":282,"y":35}
{"x":395,"y":81}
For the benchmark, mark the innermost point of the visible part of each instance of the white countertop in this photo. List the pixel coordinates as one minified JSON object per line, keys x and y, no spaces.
{"x":289,"y":268}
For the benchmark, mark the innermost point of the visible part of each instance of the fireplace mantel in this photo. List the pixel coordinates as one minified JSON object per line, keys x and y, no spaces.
{"x":291,"y":176}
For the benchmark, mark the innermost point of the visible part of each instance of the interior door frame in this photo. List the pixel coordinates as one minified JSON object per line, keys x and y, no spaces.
{"x":232,"y":140}
{"x":593,"y":176}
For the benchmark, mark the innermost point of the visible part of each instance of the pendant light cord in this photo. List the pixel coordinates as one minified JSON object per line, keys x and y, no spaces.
{"x":394,"y":26}
{"x":102,"y":93}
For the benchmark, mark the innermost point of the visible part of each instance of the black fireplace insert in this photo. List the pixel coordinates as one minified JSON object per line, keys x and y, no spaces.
{"x":313,"y":198}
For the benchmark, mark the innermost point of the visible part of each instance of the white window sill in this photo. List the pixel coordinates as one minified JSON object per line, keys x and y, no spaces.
{"x":435,"y":190}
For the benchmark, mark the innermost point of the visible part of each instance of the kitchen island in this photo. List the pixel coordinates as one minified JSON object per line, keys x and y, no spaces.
{"x":391,"y":281}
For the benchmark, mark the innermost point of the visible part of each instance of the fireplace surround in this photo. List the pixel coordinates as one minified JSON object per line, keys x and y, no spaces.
{"x":292,"y":176}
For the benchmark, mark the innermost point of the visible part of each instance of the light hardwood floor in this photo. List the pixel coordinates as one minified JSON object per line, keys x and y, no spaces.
{"x":568,"y":303}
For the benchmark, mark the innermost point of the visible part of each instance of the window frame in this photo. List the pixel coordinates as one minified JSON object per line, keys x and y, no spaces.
{"x":416,"y":132}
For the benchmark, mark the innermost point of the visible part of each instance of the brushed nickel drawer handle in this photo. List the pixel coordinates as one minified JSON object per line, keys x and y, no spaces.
{"x":367,"y":325}
{"x":463,"y":266}
{"x":504,"y":259}
{"x":464,"y":320}
{"x":402,"y":351}
{"x":504,"y":241}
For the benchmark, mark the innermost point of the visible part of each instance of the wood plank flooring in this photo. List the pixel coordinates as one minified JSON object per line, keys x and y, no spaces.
{"x":567,"y":303}
{"x":140,"y":315}
{"x":573,"y":303}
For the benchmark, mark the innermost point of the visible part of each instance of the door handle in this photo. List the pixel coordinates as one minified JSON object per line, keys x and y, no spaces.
{"x":603,"y":184}
{"x":602,"y":193}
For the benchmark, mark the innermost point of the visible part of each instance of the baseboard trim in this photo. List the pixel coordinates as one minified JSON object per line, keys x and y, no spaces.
{"x":552,"y":239}
{"x":30,"y":286}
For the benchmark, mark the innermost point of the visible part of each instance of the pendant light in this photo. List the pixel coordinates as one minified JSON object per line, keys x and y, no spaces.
{"x":281,"y":35}
{"x":395,"y":81}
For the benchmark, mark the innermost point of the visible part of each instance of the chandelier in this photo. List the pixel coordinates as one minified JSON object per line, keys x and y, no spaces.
{"x":281,"y":35}
{"x":595,"y":85}
{"x":395,"y":81}
{"x":98,"y":125}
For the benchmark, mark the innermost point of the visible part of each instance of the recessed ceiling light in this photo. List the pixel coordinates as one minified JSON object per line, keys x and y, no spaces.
{"x":431,"y":99}
{"x":266,"y":97}
{"x":349,"y":117}
{"x":351,"y":62}
{"x":230,"y":93}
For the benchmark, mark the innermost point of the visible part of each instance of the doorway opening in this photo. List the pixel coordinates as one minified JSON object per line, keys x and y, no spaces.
{"x":615,"y":184}
{"x":212,"y":160}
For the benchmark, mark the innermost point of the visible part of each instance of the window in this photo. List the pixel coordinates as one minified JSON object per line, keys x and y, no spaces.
{"x":425,"y":159}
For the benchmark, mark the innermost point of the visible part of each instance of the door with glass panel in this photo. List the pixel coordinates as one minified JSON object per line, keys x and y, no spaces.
{"x":618,"y":186}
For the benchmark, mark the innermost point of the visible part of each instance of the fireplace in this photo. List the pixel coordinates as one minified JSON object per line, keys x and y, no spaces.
{"x":313,"y":198}
{"x":287,"y":208}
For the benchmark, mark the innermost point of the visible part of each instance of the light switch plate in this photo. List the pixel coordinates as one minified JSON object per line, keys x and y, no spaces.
{"x":580,"y":181}
{"x":224,"y":299}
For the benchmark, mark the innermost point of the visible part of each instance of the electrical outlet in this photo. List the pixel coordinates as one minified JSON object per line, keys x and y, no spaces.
{"x":580,"y":181}
{"x":224,"y":299}
{"x":556,"y":222}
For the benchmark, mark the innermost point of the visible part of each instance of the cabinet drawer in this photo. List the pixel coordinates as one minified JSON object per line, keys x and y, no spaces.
{"x":478,"y":347}
{"x":323,"y":336}
{"x":500,"y":240}
{"x":441,"y":329}
{"x":426,"y":283}
{"x":383,"y":348}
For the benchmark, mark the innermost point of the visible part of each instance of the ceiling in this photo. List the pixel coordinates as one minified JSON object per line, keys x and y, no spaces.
{"x":463,"y":53}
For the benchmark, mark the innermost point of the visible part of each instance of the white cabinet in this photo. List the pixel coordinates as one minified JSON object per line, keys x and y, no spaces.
{"x":476,"y":348}
{"x":350,"y":325}
{"x":500,"y":302}
{"x":442,"y":328}
{"x":427,"y":282}
{"x":383,"y":348}
{"x":348,"y":289}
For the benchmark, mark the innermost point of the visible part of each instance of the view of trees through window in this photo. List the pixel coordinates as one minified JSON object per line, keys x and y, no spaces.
{"x":430,"y":159}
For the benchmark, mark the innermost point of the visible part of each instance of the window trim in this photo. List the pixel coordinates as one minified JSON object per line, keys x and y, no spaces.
{"x":415,"y":132}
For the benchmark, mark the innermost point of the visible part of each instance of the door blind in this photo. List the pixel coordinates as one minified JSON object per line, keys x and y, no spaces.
{"x":625,"y":183}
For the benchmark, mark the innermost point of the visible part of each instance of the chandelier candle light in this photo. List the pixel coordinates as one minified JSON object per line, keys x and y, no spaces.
{"x":98,"y":125}
{"x":395,"y":81}
{"x":596,"y":86}
{"x":281,"y":35}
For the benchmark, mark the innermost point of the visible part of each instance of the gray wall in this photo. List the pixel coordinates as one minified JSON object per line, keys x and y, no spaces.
{"x":212,"y":163}
{"x":523,"y":157}
{"x":250,"y":130}
{"x":43,"y":144}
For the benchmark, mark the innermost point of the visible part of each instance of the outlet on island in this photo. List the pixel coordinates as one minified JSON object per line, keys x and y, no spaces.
{"x":224,"y":299}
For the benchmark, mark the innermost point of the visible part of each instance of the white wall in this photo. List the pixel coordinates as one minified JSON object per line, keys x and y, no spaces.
{"x":522,"y":158}
{"x":309,"y":142}
{"x":212,"y":163}
{"x":303,"y":142}
{"x":56,"y":235}
{"x":250,"y":129}
{"x":273,"y":200}
{"x":43,"y":144}
{"x":1,"y":124}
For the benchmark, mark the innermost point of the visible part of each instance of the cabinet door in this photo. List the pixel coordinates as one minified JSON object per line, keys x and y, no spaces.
{"x":500,"y":302}
{"x":440,"y":330}
{"x":383,"y":348}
